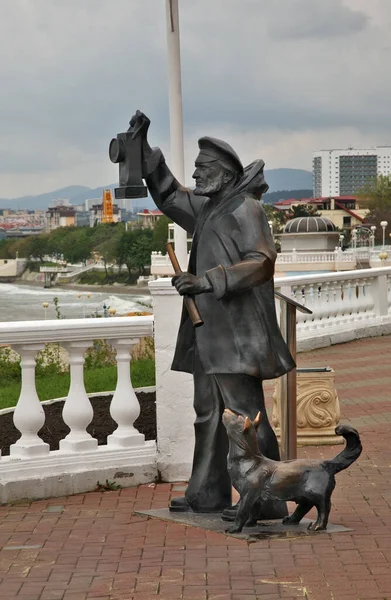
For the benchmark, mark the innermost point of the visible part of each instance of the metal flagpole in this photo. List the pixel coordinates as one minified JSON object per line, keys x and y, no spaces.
{"x":176,"y":117}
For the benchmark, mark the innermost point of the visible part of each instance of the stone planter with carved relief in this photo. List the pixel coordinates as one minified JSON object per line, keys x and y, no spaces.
{"x":318,"y":410}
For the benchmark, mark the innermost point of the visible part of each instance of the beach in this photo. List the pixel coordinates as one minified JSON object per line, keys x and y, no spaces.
{"x":23,"y":300}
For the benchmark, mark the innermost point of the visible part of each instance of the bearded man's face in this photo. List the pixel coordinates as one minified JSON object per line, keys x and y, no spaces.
{"x":209,"y":178}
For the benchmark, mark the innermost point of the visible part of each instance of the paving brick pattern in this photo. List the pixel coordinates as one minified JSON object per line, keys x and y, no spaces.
{"x":93,"y":546}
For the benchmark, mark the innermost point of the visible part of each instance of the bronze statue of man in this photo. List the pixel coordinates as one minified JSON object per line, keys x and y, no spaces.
{"x":230,"y":273}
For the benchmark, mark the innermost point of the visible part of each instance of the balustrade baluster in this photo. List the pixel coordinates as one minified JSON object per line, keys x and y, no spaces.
{"x":316,"y":305}
{"x":325,"y":303}
{"x":77,"y":412}
{"x":354,"y":299}
{"x":344,"y":302}
{"x":362,"y":299}
{"x":369,"y":298}
{"x":29,"y":415}
{"x":125,"y":407}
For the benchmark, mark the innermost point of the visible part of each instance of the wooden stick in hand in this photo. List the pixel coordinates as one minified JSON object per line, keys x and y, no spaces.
{"x":188,"y":300}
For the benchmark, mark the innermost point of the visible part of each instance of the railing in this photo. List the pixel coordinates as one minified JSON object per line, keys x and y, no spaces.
{"x":28,"y":338}
{"x":54,"y":269}
{"x":339,"y":301}
{"x":315,"y":257}
{"x":79,"y":270}
{"x":161,"y":265}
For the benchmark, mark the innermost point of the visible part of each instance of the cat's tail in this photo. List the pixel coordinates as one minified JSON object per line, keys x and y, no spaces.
{"x":350,"y":453}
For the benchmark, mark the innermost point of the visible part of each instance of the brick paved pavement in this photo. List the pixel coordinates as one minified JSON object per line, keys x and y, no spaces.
{"x":92,"y":546}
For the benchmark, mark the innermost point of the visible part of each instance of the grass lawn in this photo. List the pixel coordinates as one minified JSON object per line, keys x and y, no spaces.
{"x":102,"y":379}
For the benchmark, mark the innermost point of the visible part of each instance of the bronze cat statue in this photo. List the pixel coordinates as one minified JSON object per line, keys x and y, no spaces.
{"x":305,"y":481}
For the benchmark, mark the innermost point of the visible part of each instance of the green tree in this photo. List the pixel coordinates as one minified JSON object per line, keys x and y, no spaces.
{"x":136,"y":248}
{"x":108,"y":252}
{"x":38,"y":246}
{"x":278,"y":218}
{"x":376,"y":197}
{"x":302,"y":210}
{"x":160,"y":234}
{"x":57,"y":242}
{"x":77,"y":246}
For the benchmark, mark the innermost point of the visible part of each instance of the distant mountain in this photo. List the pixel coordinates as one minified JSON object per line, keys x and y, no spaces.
{"x":273,"y":197}
{"x":278,"y":179}
{"x":288,"y":179}
{"x":42,"y":201}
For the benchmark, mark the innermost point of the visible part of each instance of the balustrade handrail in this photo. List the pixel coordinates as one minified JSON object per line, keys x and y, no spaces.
{"x":70,"y":330}
{"x":334,"y":276}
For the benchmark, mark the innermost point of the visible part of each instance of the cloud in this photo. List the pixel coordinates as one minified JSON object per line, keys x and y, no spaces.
{"x":280,"y":79}
{"x":306,"y":19}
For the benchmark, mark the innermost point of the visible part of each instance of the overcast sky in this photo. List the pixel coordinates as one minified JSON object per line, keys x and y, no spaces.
{"x":277,"y":79}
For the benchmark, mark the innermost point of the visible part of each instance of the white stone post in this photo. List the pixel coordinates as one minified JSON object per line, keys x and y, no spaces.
{"x":29,"y":415}
{"x":379,"y":292}
{"x":125,"y":407}
{"x":174,"y":391}
{"x":176,"y":118}
{"x":77,"y":412}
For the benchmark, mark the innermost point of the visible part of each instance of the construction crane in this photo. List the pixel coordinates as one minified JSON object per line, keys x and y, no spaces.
{"x":107,"y":212}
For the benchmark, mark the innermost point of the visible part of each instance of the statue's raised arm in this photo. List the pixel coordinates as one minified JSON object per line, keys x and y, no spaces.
{"x":172,"y":198}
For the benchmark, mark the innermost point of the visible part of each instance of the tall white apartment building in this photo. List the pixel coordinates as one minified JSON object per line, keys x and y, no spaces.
{"x":344,"y":172}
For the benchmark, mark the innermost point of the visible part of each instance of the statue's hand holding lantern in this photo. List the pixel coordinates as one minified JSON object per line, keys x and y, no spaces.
{"x":126,"y":150}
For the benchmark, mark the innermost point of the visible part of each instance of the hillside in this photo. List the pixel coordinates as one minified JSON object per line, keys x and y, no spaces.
{"x":273,"y":197}
{"x":278,"y":179}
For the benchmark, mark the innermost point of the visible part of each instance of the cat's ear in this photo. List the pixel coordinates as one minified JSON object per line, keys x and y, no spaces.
{"x":257,"y":420}
{"x":247,"y":424}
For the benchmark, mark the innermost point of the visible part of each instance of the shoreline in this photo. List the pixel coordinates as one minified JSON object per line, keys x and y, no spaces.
{"x":132,"y":290}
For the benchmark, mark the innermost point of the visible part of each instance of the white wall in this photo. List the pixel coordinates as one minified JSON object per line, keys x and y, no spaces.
{"x":174,"y":391}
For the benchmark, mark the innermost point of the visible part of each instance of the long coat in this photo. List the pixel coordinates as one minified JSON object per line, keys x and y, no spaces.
{"x":233,"y":247}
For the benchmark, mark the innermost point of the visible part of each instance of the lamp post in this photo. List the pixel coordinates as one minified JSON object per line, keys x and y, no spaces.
{"x":45,"y":306}
{"x":354,"y":238}
{"x":176,"y":118}
{"x":383,"y":255}
{"x":341,"y":239}
{"x":383,"y":225}
{"x":373,"y":229}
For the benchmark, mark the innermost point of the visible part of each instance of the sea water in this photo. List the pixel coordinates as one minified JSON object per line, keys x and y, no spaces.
{"x":25,"y":303}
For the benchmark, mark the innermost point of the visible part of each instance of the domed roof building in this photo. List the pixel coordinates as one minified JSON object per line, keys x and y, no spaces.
{"x":309,"y":234}
{"x":309,"y":225}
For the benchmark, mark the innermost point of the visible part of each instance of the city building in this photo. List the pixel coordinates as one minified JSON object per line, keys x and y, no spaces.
{"x":171,"y":237}
{"x":343,"y":211}
{"x":148,"y":217}
{"x":60,"y":202}
{"x":96,"y":214}
{"x":59,"y":216}
{"x":89,"y":202}
{"x":345,"y":172}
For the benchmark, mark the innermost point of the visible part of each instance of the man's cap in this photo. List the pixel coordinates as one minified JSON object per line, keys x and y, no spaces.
{"x":213,"y":149}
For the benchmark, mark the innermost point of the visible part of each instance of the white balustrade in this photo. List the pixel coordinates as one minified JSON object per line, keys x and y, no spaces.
{"x":29,"y":415}
{"x":124,"y":407}
{"x":340,"y":301}
{"x":126,"y":446}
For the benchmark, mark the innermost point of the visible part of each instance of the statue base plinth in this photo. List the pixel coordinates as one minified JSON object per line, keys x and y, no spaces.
{"x":261,"y":531}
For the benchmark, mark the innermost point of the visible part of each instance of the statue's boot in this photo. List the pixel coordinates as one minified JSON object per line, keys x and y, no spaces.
{"x":180,"y":504}
{"x":262,"y":511}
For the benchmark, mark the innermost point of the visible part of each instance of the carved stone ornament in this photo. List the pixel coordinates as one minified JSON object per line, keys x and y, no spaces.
{"x":318,"y":410}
